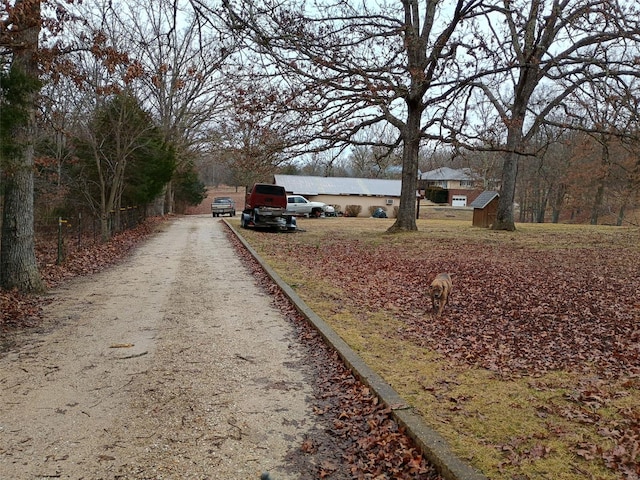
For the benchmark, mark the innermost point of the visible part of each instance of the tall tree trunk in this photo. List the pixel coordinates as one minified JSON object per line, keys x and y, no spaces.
{"x":515,"y":145}
{"x":105,"y":227}
{"x":631,"y":196}
{"x":406,"y":219}
{"x":523,"y":200}
{"x":597,"y":203}
{"x":606,"y":171}
{"x":504,"y":215}
{"x":621,"y":211}
{"x":543,"y":198}
{"x":169,"y":197}
{"x":18,"y":264}
{"x":559,"y":195}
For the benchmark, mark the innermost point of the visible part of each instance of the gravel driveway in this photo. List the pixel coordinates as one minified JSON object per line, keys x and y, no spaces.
{"x":173,"y":364}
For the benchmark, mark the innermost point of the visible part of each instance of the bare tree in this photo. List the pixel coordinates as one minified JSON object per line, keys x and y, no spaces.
{"x":161,"y":54}
{"x":183,"y":86}
{"x":631,"y":185}
{"x":113,"y":136}
{"x":546,"y":51}
{"x":31,"y":44}
{"x":609,"y":115}
{"x":252,"y":137}
{"x":343,"y":67}
{"x":541,"y":178}
{"x":374,"y":161}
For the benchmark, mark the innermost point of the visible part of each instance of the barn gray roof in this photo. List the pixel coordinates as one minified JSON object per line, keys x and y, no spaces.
{"x":446,"y":173}
{"x":308,"y":185}
{"x":484,"y":199}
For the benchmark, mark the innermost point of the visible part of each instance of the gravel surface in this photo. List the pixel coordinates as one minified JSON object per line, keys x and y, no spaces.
{"x":184,"y":362}
{"x":171,"y":365}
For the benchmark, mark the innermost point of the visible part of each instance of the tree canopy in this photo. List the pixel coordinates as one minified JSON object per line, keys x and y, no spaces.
{"x":432,"y":72}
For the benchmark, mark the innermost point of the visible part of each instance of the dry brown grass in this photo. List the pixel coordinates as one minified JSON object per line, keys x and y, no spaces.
{"x":555,"y":424}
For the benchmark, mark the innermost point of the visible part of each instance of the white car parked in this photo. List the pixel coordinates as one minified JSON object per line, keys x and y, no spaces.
{"x":298,"y":205}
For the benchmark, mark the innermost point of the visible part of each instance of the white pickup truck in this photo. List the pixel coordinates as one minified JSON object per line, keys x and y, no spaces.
{"x":298,"y":205}
{"x":223,"y":206}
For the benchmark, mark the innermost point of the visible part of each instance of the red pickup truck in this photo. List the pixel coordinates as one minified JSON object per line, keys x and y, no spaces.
{"x":266,"y":207}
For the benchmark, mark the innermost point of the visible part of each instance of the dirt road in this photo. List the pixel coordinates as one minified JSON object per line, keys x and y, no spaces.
{"x":173,"y":364}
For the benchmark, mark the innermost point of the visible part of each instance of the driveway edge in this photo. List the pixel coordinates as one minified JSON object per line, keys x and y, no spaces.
{"x":431,"y":443}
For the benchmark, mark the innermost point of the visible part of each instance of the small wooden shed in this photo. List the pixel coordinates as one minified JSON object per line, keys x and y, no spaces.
{"x":485,"y":208}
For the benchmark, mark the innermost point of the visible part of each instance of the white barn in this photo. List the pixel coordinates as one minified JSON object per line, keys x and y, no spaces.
{"x":343,"y":191}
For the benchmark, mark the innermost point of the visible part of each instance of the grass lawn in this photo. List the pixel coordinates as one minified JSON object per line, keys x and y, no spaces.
{"x":532,"y":371}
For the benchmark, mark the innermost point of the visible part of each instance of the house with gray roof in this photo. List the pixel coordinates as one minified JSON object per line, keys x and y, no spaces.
{"x":456,"y":187}
{"x":450,"y":178}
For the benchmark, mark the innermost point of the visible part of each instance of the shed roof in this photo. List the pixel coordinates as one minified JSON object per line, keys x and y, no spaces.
{"x":446,"y":173}
{"x":309,"y":185}
{"x":484,"y":199}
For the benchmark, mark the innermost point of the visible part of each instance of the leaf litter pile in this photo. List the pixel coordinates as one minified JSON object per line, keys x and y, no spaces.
{"x":517,"y":309}
{"x":511,"y":311}
{"x":573,"y":310}
{"x":360,"y":440}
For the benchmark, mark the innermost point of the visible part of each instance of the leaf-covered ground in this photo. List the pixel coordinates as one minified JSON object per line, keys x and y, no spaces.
{"x":544,"y":299}
{"x":359,"y":438}
{"x":361,"y":435}
{"x":513,"y":310}
{"x":541,"y":300}
{"x":18,"y":310}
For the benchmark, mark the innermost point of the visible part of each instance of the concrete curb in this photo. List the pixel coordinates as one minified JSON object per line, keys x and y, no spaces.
{"x":432,"y":444}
